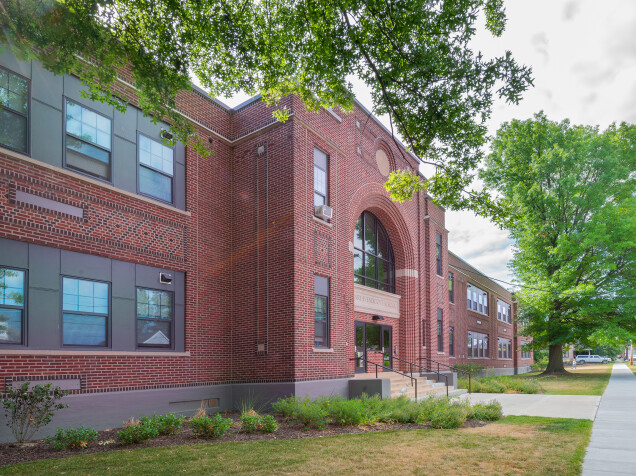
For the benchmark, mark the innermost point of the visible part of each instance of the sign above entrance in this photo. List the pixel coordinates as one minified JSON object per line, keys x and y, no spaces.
{"x":374,"y":301}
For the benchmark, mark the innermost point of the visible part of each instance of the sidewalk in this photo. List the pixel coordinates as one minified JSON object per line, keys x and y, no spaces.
{"x":612,"y":448}
{"x":551,"y":406}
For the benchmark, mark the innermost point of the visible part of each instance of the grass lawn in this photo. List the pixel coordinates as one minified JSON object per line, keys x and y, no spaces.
{"x":587,"y":379}
{"x":528,"y":445}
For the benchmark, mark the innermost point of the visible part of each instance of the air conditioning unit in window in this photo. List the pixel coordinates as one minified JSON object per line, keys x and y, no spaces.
{"x":323,"y":212}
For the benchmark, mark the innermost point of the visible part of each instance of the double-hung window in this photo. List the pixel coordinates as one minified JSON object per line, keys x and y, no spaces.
{"x":451,"y":341}
{"x":88,"y":141}
{"x":85,"y":312}
{"x":503,"y":311}
{"x":320,"y":178}
{"x":11,"y":306}
{"x":156,"y":169}
{"x":321,"y":311}
{"x":155,"y":313}
{"x":504,"y":348}
{"x":440,"y":331}
{"x":477,"y":299}
{"x":477,"y":345}
{"x":451,"y":287}
{"x":438,"y":253}
{"x":14,"y":111}
{"x":525,"y":350}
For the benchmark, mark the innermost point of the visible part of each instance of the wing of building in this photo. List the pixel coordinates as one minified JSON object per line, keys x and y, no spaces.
{"x":144,"y":278}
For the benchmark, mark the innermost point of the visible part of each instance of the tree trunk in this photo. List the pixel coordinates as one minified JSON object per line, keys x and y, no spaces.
{"x":555,"y":360}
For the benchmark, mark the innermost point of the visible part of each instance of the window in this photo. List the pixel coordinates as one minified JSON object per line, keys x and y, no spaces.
{"x":526,"y":353}
{"x":88,"y":141}
{"x":14,"y":111}
{"x":156,"y":169}
{"x":451,"y":287}
{"x":11,"y":306}
{"x":321,"y":311}
{"x":504,"y":348}
{"x":438,"y":252}
{"x":320,"y":178}
{"x":423,"y":333}
{"x":373,"y":263}
{"x":477,"y":345}
{"x":477,"y":300}
{"x":451,"y":341}
{"x":503,"y":311}
{"x":440,"y":331}
{"x":155,"y":314}
{"x":85,"y":306}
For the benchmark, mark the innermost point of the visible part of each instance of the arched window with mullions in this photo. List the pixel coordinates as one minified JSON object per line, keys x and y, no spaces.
{"x":373,"y":262}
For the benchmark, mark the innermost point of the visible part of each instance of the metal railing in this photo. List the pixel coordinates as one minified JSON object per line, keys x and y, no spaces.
{"x":413,"y":379}
{"x":451,"y":368}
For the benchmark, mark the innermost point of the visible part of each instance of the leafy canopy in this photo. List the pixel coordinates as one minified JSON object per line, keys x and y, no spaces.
{"x":413,"y":54}
{"x":573,"y":193}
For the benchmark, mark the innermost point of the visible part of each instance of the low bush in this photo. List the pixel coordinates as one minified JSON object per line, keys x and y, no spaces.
{"x":72,"y":439}
{"x":137,"y":431}
{"x":206,"y":427}
{"x":251,"y":422}
{"x":312,"y":414}
{"x":286,"y":406}
{"x":490,"y":411}
{"x":470,"y":367}
{"x":270,"y":425}
{"x":28,"y":409}
{"x":348,"y":412}
{"x":501,"y":385}
{"x":169,"y":424}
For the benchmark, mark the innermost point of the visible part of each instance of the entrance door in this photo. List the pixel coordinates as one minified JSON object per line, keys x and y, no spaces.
{"x":373,"y":339}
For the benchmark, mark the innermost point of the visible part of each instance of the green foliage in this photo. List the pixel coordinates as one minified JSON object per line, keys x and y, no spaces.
{"x":169,"y":424}
{"x":346,"y":412}
{"x":137,"y":431}
{"x":413,"y":54}
{"x":206,"y":427}
{"x":490,"y":411}
{"x":269,"y":424}
{"x":573,"y":192}
{"x":402,"y":184}
{"x":28,"y":409}
{"x":251,"y":422}
{"x":312,"y":414}
{"x":72,"y":438}
{"x":500,"y":385}
{"x":470,"y":367}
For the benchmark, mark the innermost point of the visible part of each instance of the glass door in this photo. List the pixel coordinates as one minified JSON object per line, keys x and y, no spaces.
{"x":373,"y":339}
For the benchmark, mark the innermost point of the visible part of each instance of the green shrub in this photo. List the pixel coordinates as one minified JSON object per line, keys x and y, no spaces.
{"x":29,"y":409}
{"x":501,"y":385}
{"x":72,"y":439}
{"x":286,"y":406}
{"x":312,"y":415}
{"x":206,"y":427}
{"x":348,"y":412}
{"x":490,"y":411}
{"x":135,"y":432}
{"x":269,"y":424}
{"x":169,"y":424}
{"x":251,"y":422}
{"x":470,"y":367}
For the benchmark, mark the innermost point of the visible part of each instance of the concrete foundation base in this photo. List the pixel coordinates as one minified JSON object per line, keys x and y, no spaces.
{"x":370,"y":387}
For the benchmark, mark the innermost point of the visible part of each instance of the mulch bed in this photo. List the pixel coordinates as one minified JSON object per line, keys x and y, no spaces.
{"x":12,"y":453}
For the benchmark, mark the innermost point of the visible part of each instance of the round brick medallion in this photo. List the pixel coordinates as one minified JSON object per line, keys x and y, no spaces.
{"x":383,"y":162}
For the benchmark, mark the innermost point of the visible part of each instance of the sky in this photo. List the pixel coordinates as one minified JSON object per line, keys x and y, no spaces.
{"x":583,"y":57}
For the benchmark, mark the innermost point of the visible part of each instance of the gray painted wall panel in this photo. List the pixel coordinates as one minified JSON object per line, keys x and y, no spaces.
{"x":46,"y":87}
{"x":44,"y":265}
{"x":123,"y":324}
{"x":124,"y":284}
{"x":43,"y":321}
{"x":81,"y":265}
{"x":14,"y":253}
{"x":125,"y":169}
{"x":10,"y":62}
{"x":179,"y":328}
{"x":72,"y":90}
{"x":46,"y":134}
{"x":125,"y":125}
{"x":180,"y":191}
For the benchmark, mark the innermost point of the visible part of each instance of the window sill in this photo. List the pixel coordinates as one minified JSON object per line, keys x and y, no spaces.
{"x":105,"y":353}
{"x":322,"y":222}
{"x":322,"y":350}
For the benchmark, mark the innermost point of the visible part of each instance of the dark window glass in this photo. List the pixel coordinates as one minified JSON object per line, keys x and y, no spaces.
{"x":11,"y":305}
{"x":477,"y":345}
{"x":451,"y":287}
{"x":525,"y":350}
{"x":14,"y":111}
{"x":440,"y":331}
{"x":88,"y":141}
{"x":320,"y":178}
{"x":451,"y":341}
{"x":155,"y":311}
{"x":504,"y":348}
{"x":478,"y":298}
{"x":85,"y":306}
{"x":438,"y":253}
{"x":321,"y":311}
{"x":373,"y":263}
{"x":156,"y":169}
{"x":504,"y":311}
{"x":423,"y":333}
{"x":374,"y":341}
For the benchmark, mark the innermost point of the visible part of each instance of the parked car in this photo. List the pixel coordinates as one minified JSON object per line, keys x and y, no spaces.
{"x":592,"y":359}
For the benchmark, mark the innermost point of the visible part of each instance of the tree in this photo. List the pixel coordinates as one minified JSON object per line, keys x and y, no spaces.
{"x":573,"y":192}
{"x":414,"y":55}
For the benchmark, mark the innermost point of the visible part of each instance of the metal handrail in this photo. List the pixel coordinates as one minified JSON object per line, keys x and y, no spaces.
{"x":454,"y":369}
{"x":413,"y":379}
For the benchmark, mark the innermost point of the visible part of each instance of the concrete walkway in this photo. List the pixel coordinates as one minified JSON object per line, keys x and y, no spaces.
{"x":612,"y":449}
{"x":552,"y":406}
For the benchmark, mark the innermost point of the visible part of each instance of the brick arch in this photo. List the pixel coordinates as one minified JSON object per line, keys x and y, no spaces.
{"x":374,"y":198}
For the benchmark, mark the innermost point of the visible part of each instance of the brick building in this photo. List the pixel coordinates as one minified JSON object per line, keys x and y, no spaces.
{"x":145,"y":278}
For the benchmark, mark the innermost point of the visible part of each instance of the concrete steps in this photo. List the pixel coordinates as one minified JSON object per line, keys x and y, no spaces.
{"x":401,"y":385}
